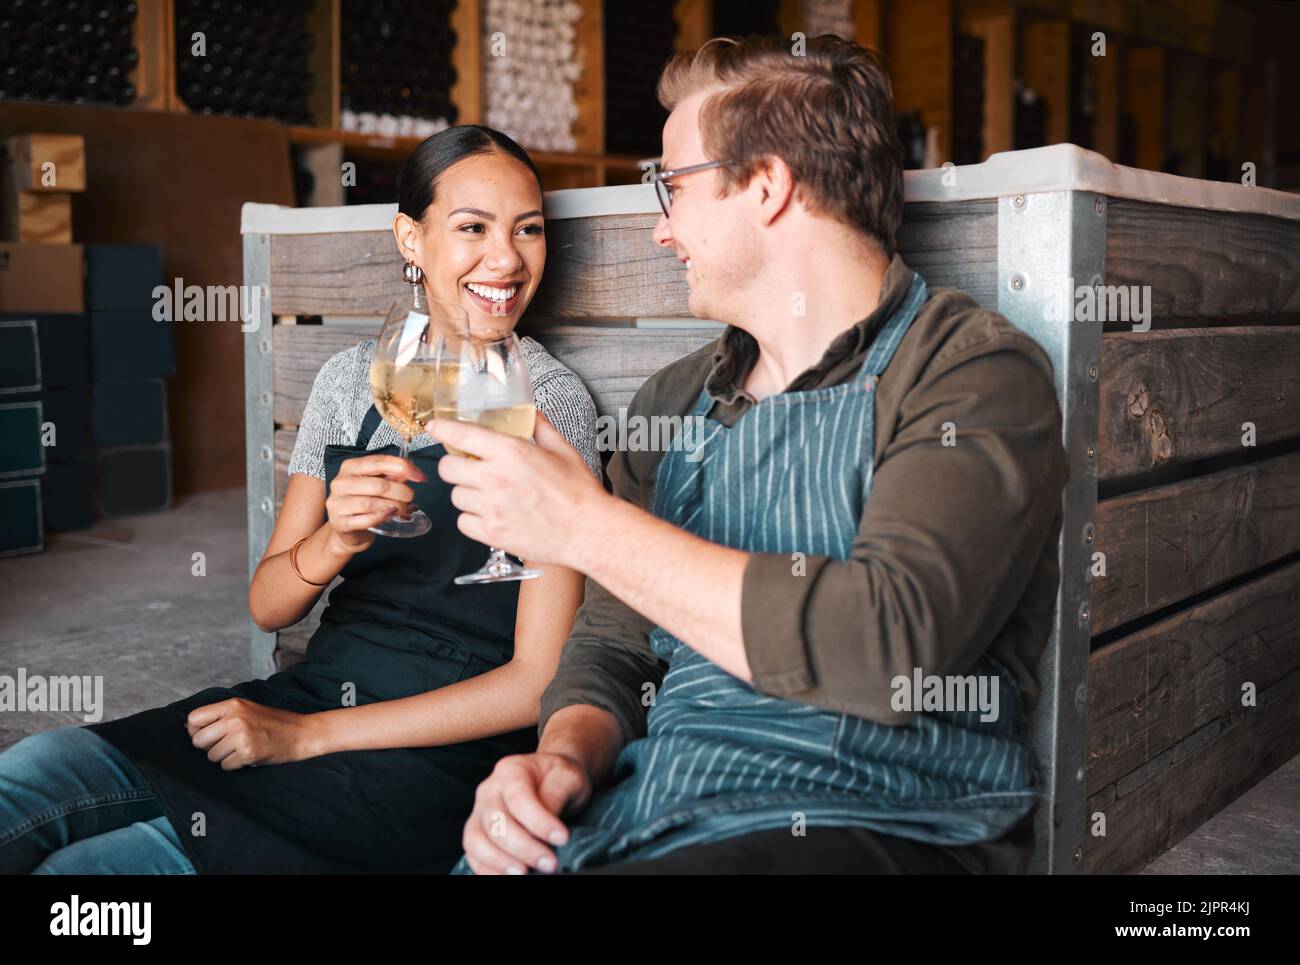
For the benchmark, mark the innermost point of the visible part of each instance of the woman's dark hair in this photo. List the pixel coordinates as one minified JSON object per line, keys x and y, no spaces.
{"x":432,"y":156}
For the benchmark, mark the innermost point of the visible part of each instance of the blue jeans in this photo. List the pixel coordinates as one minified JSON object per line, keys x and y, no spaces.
{"x":72,"y":803}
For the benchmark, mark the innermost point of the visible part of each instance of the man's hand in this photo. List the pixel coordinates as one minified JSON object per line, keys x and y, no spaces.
{"x":517,"y":809}
{"x":526,"y":499}
{"x":240,"y":733}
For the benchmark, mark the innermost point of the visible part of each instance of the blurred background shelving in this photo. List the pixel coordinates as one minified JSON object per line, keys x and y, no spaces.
{"x":1189,"y":86}
{"x":187,"y":109}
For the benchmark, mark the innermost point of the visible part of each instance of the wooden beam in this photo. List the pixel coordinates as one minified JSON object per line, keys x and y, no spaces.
{"x":1226,"y":116}
{"x":694,"y":23}
{"x":153,"y":36}
{"x":1144,"y":96}
{"x":868,"y":22}
{"x":1187,"y":115}
{"x":589,"y":89}
{"x":1045,"y":67}
{"x":1106,"y":72}
{"x":994,"y":21}
{"x":467,"y":92}
{"x":918,"y":45}
{"x":324,"y":63}
{"x":791,"y":16}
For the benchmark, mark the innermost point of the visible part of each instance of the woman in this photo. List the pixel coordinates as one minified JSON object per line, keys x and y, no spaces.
{"x":365,"y":755}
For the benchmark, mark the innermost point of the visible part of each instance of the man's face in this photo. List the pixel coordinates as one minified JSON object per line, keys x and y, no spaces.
{"x":711,"y":235}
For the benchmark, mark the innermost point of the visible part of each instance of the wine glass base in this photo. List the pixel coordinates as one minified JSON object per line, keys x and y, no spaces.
{"x":417,"y":524}
{"x":498,"y":571}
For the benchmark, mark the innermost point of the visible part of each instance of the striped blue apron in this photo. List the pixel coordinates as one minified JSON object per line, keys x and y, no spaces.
{"x":720,"y":759}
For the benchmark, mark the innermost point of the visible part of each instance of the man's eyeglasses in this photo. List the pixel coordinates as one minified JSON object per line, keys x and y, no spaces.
{"x":663,"y":181}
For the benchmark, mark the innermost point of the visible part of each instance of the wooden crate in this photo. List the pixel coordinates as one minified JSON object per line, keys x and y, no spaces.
{"x":1138,"y":720}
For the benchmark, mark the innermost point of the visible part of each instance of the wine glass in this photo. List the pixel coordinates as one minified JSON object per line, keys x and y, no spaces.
{"x":486,"y":381}
{"x":403,"y":379}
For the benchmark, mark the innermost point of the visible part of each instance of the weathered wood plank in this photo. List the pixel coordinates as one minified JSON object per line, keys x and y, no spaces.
{"x":1175,"y":396}
{"x":613,"y":362}
{"x":606,"y":267}
{"x":349,"y":273}
{"x":1204,"y":263}
{"x":1170,"y":740}
{"x":1166,"y":543}
{"x":1197,"y":779}
{"x":954,"y":246}
{"x":1158,"y":686}
{"x":609,"y":267}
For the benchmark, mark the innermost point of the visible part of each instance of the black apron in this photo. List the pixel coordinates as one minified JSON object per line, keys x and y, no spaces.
{"x":396,"y":626}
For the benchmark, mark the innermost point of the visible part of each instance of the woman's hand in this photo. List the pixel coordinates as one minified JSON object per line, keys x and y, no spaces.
{"x":240,"y":733}
{"x":366,"y":491}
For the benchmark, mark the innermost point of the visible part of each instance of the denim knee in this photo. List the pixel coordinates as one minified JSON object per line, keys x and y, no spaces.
{"x":62,"y":785}
{"x":142,"y":848}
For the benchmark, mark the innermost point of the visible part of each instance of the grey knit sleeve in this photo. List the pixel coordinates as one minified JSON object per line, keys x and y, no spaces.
{"x":329,"y":416}
{"x":560,"y":395}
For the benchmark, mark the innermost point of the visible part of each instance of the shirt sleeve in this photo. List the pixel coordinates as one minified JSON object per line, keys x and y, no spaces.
{"x":607,"y":662}
{"x":324,"y":419}
{"x":945,"y":547}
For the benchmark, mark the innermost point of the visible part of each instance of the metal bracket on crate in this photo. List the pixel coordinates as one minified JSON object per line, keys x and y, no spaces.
{"x":1049,"y":244}
{"x":259,"y":431}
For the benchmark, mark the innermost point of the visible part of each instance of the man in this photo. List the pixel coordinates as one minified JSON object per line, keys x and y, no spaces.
{"x":874,"y":502}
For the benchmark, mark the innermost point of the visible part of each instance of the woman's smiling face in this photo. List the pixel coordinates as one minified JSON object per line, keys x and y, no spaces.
{"x":481,"y":243}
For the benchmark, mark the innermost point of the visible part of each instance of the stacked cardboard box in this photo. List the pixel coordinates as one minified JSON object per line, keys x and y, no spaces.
{"x":83,"y":424}
{"x":41,"y":173}
{"x":130,"y":354}
{"x":22,"y":458}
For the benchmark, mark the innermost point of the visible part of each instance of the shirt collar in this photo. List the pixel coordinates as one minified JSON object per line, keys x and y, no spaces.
{"x":738,"y":350}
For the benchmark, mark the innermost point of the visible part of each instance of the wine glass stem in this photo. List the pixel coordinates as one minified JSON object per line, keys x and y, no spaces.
{"x":404,"y":450}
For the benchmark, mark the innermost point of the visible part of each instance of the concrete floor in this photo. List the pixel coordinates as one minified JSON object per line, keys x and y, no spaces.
{"x":122,"y":600}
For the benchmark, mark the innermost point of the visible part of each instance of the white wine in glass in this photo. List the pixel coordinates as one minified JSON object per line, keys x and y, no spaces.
{"x":491,"y":387}
{"x":404,"y":381}
{"x":404,"y":394}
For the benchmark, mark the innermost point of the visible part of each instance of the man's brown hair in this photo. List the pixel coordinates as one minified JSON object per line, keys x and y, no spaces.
{"x":826,"y":112}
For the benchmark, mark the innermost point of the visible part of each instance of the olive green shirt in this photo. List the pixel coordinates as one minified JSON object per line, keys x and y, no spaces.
{"x":956,"y":550}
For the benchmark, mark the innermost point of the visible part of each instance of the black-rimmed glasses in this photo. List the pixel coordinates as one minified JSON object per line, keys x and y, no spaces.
{"x":664,"y":190}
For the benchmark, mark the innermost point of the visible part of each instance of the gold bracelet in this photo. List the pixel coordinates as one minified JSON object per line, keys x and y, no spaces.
{"x":293,"y":561}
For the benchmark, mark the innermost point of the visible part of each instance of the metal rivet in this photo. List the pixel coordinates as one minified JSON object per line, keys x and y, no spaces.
{"x":1017,"y":201}
{"x":265,"y":346}
{"x":268,"y":506}
{"x":1016,"y":282}
{"x":266,"y":453}
{"x":265,"y":398}
{"x":1085,"y":614}
{"x":1081,"y":698}
{"x":1078,"y":854}
{"x":1089,"y":533}
{"x":1092,"y":453}
{"x":1081,"y":774}
{"x":1092,"y":372}
{"x":1098,"y":206}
